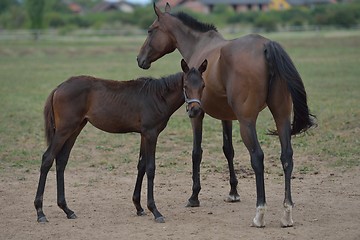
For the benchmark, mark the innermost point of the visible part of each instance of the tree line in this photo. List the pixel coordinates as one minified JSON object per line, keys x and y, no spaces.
{"x":54,"y":14}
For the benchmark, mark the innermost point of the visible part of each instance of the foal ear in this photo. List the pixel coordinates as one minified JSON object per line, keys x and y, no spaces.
{"x":184,"y":66}
{"x":157,"y":10}
{"x":167,"y":8}
{"x":203,"y":66}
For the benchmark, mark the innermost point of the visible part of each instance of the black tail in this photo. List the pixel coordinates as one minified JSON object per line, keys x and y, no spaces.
{"x":49,"y":118}
{"x":282,"y":68}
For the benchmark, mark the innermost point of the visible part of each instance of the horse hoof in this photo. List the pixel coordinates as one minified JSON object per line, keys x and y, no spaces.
{"x":141,"y":213}
{"x":192,"y":203}
{"x":285,"y":224}
{"x":72,"y":216}
{"x":42,"y":220}
{"x":160,"y":219}
{"x":286,"y":220}
{"x":258,"y":220}
{"x":232,"y":198}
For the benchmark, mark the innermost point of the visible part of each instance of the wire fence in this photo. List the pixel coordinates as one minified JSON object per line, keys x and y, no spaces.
{"x":54,"y":34}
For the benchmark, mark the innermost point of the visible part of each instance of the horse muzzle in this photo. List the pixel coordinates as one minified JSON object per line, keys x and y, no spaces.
{"x":143,"y":63}
{"x":193,"y":107}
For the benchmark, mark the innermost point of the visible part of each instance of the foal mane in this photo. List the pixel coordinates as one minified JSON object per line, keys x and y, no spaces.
{"x":158,"y":87}
{"x":193,"y":23}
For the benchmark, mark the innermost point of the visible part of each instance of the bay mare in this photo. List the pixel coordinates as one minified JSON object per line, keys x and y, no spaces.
{"x":244,"y":75}
{"x":143,"y":106}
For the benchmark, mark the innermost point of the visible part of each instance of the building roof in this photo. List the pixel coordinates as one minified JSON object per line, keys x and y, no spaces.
{"x":244,"y":2}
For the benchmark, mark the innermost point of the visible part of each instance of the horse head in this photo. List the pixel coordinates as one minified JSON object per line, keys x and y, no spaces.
{"x":158,"y":42}
{"x":193,"y":86}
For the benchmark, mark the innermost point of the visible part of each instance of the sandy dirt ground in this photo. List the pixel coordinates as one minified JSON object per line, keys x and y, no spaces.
{"x":327,"y":206}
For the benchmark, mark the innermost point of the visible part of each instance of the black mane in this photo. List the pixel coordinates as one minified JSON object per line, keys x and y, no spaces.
{"x":193,"y":23}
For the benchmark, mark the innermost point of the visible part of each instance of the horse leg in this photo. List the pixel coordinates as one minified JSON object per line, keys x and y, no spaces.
{"x":61,"y":161}
{"x":248,"y":134}
{"x":197,"y":124}
{"x":47,"y":162}
{"x":228,"y":150}
{"x":141,"y":172}
{"x":149,"y":154}
{"x":284,"y":131}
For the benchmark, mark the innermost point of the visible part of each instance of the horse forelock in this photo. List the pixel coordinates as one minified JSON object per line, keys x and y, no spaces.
{"x":193,"y":23}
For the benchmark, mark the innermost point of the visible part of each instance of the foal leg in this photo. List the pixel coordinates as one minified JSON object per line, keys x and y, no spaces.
{"x":47,"y":161}
{"x":149,"y":154}
{"x":197,"y":124}
{"x":141,"y":172}
{"x":61,"y":161}
{"x":228,"y":150}
{"x":248,"y":134}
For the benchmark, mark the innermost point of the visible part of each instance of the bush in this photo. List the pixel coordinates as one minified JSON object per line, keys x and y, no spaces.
{"x":267,"y":22}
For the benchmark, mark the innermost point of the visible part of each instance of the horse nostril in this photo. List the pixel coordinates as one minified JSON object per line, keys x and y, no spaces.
{"x":194,"y":111}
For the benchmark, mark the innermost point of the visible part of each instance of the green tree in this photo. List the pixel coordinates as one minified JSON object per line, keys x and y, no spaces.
{"x":35,"y":10}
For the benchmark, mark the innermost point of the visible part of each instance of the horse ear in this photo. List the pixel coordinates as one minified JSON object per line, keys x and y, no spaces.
{"x":167,"y":8}
{"x":157,"y":10}
{"x":184,"y":66}
{"x":203,"y":66}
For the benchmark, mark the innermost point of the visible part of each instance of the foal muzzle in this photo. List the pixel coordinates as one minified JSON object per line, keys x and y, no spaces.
{"x":188,"y":101}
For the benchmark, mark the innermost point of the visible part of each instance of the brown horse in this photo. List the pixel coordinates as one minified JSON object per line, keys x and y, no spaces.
{"x":143,"y":105}
{"x":244,"y":75}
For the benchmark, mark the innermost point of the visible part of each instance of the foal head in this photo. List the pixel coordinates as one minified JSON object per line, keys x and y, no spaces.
{"x":193,"y":86}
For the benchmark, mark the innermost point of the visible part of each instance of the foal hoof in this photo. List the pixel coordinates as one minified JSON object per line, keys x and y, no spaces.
{"x":192,"y":203}
{"x":72,"y":216}
{"x":232,"y":198}
{"x":42,"y":220}
{"x":141,"y":213}
{"x":160,"y":219}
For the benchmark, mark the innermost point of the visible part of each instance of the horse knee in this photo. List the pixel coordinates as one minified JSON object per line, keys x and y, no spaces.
{"x":197,"y":154}
{"x":150,"y":172}
{"x":228,"y":152}
{"x":257,"y":161}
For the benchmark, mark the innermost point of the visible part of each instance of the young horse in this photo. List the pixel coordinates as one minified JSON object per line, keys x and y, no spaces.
{"x":244,"y":76}
{"x":143,"y":105}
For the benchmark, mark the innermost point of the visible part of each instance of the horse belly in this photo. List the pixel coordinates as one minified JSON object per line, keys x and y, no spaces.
{"x":113,"y":122}
{"x":217,"y":107}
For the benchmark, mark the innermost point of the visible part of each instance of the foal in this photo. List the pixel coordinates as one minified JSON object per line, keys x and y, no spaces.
{"x":143,"y":105}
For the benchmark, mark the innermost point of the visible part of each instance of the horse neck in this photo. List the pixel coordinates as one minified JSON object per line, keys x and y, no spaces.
{"x":190,"y":42}
{"x":175,"y":97}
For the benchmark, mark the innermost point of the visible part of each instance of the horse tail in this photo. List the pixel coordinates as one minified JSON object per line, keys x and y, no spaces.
{"x":282,"y":68}
{"x":49,"y":118}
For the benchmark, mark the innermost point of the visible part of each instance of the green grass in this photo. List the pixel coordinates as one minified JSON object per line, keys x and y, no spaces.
{"x":328,"y":62}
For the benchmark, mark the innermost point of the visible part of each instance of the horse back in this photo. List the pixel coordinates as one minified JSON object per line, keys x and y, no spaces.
{"x":108,"y":105}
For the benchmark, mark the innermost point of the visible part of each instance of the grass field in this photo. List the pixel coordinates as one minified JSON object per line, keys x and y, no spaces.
{"x":329,"y":63}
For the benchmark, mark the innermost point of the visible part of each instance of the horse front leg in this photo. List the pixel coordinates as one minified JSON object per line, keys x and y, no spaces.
{"x":197,"y":125}
{"x":228,"y":150}
{"x":141,"y":172}
{"x":149,"y":154}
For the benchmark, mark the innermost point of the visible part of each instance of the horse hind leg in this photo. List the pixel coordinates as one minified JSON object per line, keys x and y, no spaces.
{"x":61,"y":161}
{"x":248,"y":135}
{"x":47,"y":162}
{"x":228,"y":150}
{"x":281,"y":116}
{"x":286,"y":157}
